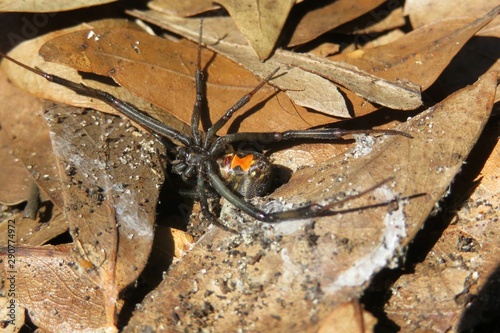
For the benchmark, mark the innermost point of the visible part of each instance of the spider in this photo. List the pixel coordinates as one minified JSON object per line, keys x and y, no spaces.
{"x":203,"y":159}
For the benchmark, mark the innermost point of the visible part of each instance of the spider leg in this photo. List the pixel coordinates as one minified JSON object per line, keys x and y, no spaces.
{"x":202,"y":197}
{"x":311,"y":134}
{"x":200,"y":95}
{"x":219,"y":185}
{"x":127,"y":109}
{"x":229,"y":113}
{"x":308,"y":211}
{"x":136,"y":115}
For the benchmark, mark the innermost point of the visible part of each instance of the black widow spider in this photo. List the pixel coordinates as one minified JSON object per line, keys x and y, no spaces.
{"x":235,"y":176}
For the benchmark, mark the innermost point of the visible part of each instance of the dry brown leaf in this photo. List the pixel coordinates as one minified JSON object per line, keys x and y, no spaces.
{"x":455,"y":288}
{"x":302,"y":87}
{"x":247,"y":282}
{"x":317,"y":21}
{"x":424,"y":12}
{"x":12,"y":315}
{"x":234,"y":251}
{"x":422,"y":54}
{"x":377,"y":21}
{"x":110,"y":173}
{"x":28,"y":137}
{"x":183,"y":8}
{"x":437,"y":289}
{"x":48,"y":5}
{"x":222,"y":36}
{"x":134,"y":213}
{"x":35,"y":231}
{"x":15,"y":180}
{"x":348,"y":317}
{"x":59,"y":292}
{"x":170,"y":82}
{"x":27,"y":52}
{"x":399,"y":93}
{"x":480,"y":54}
{"x":261,"y":21}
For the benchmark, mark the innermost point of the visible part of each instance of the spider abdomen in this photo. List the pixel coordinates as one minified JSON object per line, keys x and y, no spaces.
{"x":247,"y":173}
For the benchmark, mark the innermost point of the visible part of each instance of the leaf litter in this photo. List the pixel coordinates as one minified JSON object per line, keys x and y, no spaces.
{"x":93,"y":210}
{"x":226,"y":273}
{"x":301,"y":259}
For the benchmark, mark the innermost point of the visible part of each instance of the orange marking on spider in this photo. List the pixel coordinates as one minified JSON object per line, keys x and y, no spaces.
{"x":243,"y":162}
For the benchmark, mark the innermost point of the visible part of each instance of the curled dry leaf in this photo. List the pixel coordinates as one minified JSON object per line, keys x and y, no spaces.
{"x":397,"y":94}
{"x":325,"y":261}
